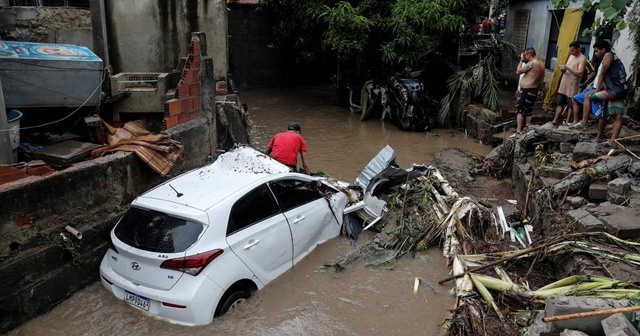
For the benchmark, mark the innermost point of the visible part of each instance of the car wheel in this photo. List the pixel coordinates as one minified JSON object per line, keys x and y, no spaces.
{"x":232,"y":300}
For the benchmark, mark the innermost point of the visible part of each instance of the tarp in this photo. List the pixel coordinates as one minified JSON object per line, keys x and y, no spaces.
{"x":159,"y":151}
{"x":568,"y":33}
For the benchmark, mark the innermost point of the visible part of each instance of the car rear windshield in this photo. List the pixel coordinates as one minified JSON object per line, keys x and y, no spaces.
{"x":156,"y":231}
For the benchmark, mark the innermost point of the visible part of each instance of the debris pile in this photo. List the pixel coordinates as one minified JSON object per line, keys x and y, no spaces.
{"x":579,"y":241}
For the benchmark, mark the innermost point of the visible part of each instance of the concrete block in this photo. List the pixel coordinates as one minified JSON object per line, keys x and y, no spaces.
{"x":585,"y":220}
{"x":620,"y":185}
{"x":562,"y":135}
{"x":566,"y":147}
{"x":622,"y":225}
{"x":598,"y":191}
{"x":617,"y":323}
{"x":554,"y":172}
{"x":585,"y":150}
{"x":562,"y":305}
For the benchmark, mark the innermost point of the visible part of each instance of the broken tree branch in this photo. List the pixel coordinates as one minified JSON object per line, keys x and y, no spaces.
{"x":627,"y":149}
{"x":513,"y":256}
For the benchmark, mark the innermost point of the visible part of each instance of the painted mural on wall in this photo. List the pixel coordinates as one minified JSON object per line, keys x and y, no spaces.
{"x":46,"y":51}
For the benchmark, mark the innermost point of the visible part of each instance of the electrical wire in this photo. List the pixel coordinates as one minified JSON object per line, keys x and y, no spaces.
{"x":66,"y":117}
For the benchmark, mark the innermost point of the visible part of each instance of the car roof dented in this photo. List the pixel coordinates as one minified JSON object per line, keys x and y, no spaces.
{"x":206,"y":186}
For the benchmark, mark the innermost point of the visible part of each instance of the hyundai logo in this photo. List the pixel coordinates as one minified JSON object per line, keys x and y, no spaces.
{"x":135,"y":266}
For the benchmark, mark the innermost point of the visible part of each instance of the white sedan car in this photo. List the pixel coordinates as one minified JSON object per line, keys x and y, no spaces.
{"x":197,"y":245}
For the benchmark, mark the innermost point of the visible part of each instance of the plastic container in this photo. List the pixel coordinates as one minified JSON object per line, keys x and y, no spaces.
{"x":13,"y":119}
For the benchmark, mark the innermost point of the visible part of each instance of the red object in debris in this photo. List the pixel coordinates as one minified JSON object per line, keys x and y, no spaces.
{"x":221,"y":88}
{"x":23,"y":221}
{"x":12,"y":173}
{"x":116,"y":124}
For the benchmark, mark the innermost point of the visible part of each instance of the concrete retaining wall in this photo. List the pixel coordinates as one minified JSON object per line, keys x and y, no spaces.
{"x":152,"y":36}
{"x":37,"y":267}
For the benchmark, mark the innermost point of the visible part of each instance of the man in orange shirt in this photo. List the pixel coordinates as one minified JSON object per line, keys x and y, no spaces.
{"x":285,"y":146}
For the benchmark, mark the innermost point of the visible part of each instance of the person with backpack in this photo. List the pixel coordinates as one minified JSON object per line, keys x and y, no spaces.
{"x":610,"y":88}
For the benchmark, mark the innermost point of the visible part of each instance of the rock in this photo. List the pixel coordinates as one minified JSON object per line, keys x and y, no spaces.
{"x":621,"y":185}
{"x":598,"y":191}
{"x":568,"y":332}
{"x":566,"y":147}
{"x":616,"y":198}
{"x":575,"y":201}
{"x":618,"y":324}
{"x":585,"y":150}
{"x":591,"y":325}
{"x":634,"y":170}
{"x":482,"y":114}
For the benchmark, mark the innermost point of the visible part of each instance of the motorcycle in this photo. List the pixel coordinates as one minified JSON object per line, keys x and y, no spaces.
{"x":399,"y":99}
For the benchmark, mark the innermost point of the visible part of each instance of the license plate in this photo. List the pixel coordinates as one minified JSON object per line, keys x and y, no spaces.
{"x":136,"y":300}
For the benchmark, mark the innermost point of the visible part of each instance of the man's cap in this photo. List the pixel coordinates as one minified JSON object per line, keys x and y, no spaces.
{"x":294,"y":126}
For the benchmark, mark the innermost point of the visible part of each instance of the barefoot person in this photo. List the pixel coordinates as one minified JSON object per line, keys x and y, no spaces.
{"x":610,"y":88}
{"x":531,"y":81}
{"x":285,"y":147}
{"x":572,"y":71}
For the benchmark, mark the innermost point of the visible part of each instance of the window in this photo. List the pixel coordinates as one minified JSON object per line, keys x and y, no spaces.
{"x":253,"y":207}
{"x":294,"y":193}
{"x":554,"y":33}
{"x":156,"y":231}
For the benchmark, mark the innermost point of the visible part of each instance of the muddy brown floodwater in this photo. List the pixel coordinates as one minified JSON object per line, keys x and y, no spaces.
{"x":310,"y":299}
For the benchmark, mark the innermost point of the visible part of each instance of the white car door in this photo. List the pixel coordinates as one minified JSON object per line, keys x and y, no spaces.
{"x":258,"y":233}
{"x":310,"y":218}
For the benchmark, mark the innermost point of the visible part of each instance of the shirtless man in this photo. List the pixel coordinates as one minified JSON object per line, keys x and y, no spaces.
{"x":531,"y":82}
{"x":572,"y":72}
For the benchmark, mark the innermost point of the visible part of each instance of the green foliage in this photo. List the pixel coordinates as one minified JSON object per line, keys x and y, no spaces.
{"x":347,"y":32}
{"x":466,"y":81}
{"x":613,"y":14}
{"x":400,"y":33}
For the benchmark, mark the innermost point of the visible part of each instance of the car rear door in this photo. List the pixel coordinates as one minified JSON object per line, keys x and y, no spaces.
{"x":308,"y":212}
{"x":258,"y":233}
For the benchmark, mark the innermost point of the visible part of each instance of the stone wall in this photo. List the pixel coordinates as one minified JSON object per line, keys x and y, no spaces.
{"x":46,"y":24}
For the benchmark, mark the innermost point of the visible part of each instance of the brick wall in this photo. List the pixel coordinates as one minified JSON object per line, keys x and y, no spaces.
{"x":186,"y":104}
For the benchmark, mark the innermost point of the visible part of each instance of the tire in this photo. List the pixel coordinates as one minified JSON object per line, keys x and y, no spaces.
{"x":231,"y":300}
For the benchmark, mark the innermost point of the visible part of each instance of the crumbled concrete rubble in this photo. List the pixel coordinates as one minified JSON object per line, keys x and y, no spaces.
{"x":571,"y":189}
{"x":570,"y":171}
{"x":596,"y":325}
